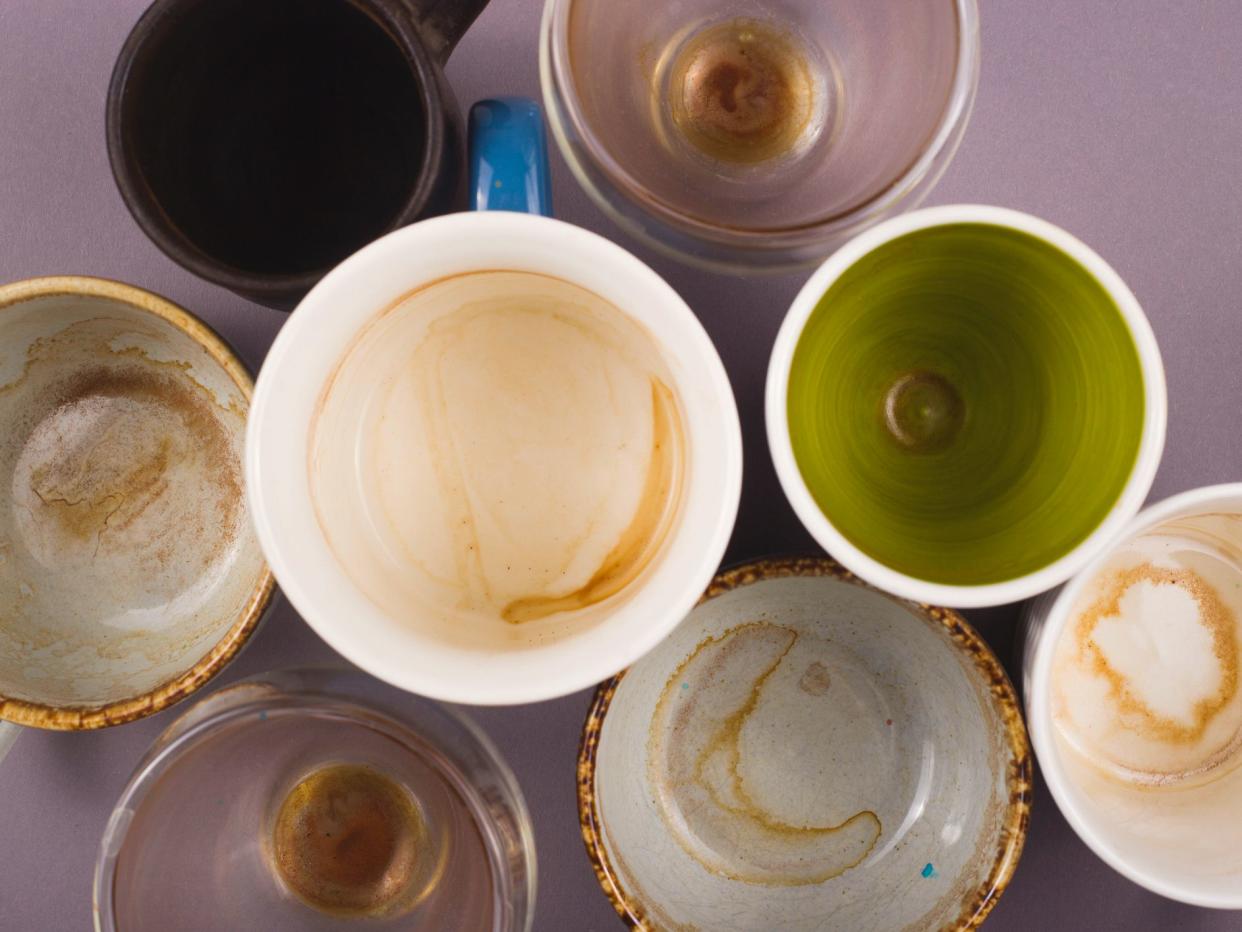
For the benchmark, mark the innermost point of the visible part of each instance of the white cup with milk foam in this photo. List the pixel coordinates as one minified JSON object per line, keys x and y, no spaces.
{"x":1133,"y":693}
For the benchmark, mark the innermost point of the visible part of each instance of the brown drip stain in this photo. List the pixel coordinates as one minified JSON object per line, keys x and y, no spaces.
{"x":1214,"y":615}
{"x":348,"y":841}
{"x":725,"y":743}
{"x":741,"y":91}
{"x":644,"y":535}
{"x":815,"y":680}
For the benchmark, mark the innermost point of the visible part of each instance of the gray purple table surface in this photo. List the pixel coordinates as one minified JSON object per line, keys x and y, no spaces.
{"x":1117,"y":119}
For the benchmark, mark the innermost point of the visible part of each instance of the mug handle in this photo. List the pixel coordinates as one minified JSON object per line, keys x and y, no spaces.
{"x":509,"y":157}
{"x":442,"y":23}
{"x":8,"y":734}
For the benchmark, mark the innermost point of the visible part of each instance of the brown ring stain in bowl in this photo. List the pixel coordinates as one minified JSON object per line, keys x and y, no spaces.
{"x":975,"y":904}
{"x":642,"y":538}
{"x":703,"y":779}
{"x":103,"y":458}
{"x":546,"y":586}
{"x":137,"y":487}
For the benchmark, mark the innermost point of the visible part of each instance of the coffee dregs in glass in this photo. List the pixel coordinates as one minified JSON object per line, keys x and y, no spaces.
{"x":318,"y":800}
{"x":746,"y":136}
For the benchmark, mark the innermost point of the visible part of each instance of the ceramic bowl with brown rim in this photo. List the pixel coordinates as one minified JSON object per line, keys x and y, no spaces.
{"x":806,"y":752}
{"x":129,"y":571}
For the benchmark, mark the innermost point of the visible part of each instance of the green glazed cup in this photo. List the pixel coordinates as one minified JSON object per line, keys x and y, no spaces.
{"x":965,"y":404}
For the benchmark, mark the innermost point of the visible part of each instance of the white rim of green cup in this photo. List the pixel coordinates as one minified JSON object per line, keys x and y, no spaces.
{"x":307,"y":351}
{"x":820,"y":526}
{"x":1046,"y":622}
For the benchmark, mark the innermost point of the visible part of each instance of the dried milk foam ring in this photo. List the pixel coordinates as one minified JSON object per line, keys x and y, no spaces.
{"x":1134,"y":701}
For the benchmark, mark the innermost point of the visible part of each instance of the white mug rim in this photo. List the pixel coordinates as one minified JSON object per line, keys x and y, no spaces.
{"x":1037,"y":686}
{"x":1128,"y":502}
{"x":492,"y":681}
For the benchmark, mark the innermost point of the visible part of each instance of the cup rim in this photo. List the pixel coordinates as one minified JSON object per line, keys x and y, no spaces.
{"x":489,"y":676}
{"x":120,"y":711}
{"x":742,"y":249}
{"x":1128,"y":502}
{"x":162,"y":230}
{"x":978,"y":903}
{"x":1038,"y":679}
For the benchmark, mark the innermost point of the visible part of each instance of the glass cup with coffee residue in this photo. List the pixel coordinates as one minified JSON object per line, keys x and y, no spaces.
{"x":318,"y":800}
{"x":745,"y":136}
{"x":1134,"y":702}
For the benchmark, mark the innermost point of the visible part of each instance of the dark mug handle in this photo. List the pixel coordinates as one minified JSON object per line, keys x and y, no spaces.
{"x":442,"y":23}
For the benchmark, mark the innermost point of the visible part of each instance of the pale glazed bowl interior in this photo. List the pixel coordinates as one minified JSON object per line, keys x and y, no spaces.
{"x":129,"y":571}
{"x":806,"y":752}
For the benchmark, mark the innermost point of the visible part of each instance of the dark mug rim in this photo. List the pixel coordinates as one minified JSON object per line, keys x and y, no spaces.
{"x":163,"y":231}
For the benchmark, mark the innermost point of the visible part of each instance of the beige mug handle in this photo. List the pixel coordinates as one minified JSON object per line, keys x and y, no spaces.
{"x":8,"y":734}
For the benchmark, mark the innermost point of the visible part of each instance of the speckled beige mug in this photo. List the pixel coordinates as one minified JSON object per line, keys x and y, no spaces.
{"x":129,"y":570}
{"x":806,"y":752}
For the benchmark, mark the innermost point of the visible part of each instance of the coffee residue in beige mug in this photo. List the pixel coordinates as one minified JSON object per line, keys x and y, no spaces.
{"x":127,"y":546}
{"x":105,"y":456}
{"x":696,"y":761}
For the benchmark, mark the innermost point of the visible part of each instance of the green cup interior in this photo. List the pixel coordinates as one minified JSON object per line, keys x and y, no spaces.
{"x":966,"y":404}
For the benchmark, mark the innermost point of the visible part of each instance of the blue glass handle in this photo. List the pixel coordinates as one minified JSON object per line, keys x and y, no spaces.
{"x":509,"y":157}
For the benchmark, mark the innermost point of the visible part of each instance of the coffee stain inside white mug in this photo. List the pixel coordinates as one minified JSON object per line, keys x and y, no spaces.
{"x":497,"y":447}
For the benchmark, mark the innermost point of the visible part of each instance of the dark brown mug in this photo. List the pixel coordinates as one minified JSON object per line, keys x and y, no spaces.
{"x":260,"y":142}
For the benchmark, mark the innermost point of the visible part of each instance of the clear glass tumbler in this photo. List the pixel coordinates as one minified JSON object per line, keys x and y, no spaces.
{"x":318,"y":800}
{"x":757,"y":134}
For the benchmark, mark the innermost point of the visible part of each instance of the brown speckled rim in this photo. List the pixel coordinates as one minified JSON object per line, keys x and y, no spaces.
{"x":81,"y":718}
{"x":975,"y":905}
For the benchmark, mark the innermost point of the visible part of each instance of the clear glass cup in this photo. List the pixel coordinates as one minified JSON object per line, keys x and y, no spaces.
{"x":747,"y":136}
{"x":318,"y":800}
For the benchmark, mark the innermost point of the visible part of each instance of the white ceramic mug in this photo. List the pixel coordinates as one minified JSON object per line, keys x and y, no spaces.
{"x":868,"y":567}
{"x":1182,"y":839}
{"x":513,"y":668}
